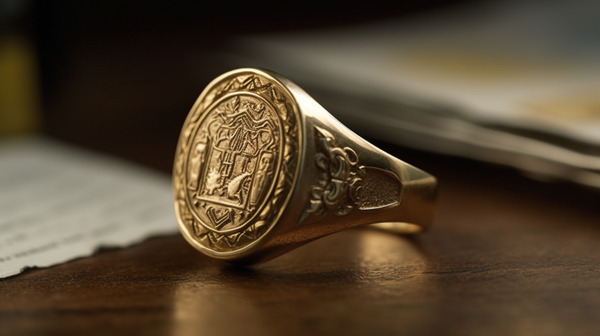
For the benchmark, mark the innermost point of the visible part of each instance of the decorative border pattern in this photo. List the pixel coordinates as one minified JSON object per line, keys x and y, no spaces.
{"x":253,"y":230}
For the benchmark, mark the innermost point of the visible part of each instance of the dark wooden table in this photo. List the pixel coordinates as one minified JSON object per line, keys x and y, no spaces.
{"x":506,"y":256}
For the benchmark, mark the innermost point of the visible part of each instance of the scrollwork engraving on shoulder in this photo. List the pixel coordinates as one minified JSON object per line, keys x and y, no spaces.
{"x":340,"y":182}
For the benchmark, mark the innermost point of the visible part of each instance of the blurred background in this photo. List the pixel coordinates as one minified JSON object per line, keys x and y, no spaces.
{"x":484,"y":80}
{"x":120,"y":76}
{"x":449,"y":86}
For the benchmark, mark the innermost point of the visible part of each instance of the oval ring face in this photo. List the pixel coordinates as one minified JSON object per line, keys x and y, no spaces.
{"x":236,"y":163}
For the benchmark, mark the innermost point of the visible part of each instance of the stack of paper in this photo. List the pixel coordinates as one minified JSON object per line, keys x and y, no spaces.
{"x":58,"y":203}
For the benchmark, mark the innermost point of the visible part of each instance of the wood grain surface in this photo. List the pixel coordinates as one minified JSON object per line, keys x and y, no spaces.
{"x":507,"y":256}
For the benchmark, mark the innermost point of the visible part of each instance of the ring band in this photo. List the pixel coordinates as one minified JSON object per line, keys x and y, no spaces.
{"x":261,"y":169}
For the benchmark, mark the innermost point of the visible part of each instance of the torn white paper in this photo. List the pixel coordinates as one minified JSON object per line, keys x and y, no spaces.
{"x":58,"y":203}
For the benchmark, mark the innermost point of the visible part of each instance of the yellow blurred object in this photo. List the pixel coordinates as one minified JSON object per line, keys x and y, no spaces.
{"x":473,"y":65}
{"x":19,"y":92}
{"x":580,"y":106}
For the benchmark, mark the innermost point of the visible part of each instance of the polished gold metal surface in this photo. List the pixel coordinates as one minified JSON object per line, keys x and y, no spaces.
{"x":261,"y":168}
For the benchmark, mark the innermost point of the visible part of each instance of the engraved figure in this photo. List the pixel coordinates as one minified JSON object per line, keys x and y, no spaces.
{"x":234,"y":187}
{"x":195,"y":166}
{"x":212,"y":181}
{"x":263,"y":177}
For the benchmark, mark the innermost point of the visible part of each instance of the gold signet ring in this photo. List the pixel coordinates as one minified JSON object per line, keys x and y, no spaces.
{"x":261,"y":169}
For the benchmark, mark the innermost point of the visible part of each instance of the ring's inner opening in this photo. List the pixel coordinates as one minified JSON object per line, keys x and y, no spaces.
{"x":398,"y":227}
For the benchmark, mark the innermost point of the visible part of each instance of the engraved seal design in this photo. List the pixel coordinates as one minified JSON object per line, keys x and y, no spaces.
{"x":340,"y":177}
{"x":236,"y":162}
{"x":232,"y":161}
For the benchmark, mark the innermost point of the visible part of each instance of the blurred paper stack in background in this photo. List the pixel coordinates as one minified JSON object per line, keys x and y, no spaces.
{"x":514,"y":83}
